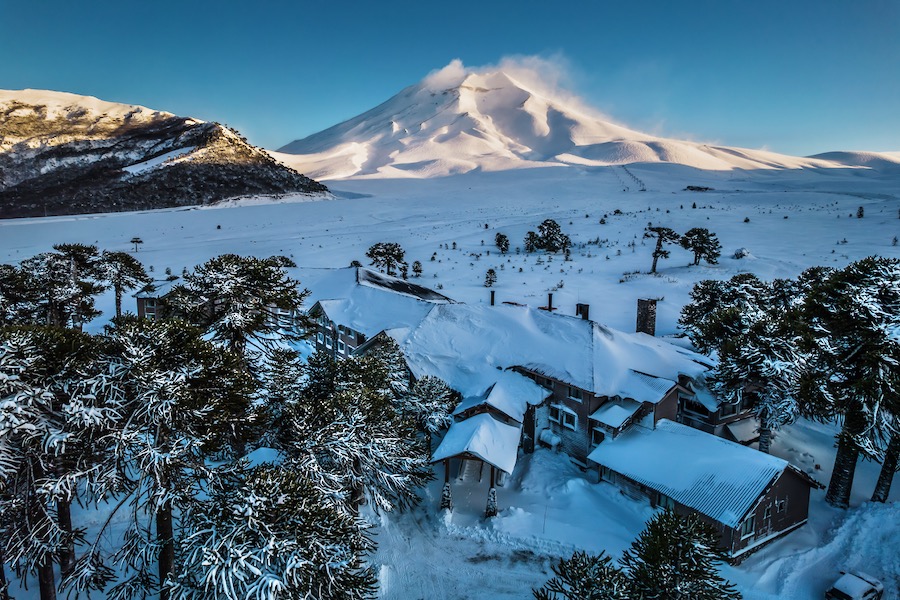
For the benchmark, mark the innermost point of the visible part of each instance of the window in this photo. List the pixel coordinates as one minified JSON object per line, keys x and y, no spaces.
{"x":605,"y":473}
{"x":768,"y":514}
{"x":575,"y":394}
{"x":320,"y":337}
{"x":597,"y":436}
{"x":729,"y":409}
{"x":781,"y":505}
{"x":328,"y":342}
{"x":563,"y":416}
{"x":665,"y":502}
{"x":342,"y":347}
{"x":554,"y":414}
{"x":150,"y":303}
{"x":748,"y":526}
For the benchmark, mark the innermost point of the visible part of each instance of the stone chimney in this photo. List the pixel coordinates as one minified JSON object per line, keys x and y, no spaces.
{"x":646,"y":316}
{"x":583,"y":311}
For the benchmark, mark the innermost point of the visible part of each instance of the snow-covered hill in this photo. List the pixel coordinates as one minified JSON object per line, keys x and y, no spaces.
{"x":458,"y":120}
{"x":63,"y":153}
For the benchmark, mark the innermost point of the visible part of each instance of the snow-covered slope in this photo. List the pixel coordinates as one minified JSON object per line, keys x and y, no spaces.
{"x":457,"y":120}
{"x":63,"y":153}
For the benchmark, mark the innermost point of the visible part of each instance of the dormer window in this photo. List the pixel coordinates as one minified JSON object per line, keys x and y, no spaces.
{"x":576,"y":394}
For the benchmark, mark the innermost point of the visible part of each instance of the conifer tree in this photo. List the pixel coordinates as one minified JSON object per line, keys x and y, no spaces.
{"x":703,"y":243}
{"x":850,"y":315}
{"x":429,"y":403}
{"x":267,"y":533}
{"x":663,"y":235}
{"x":585,"y":577}
{"x":674,"y":558}
{"x":168,"y":384}
{"x":123,"y":272}
{"x":490,"y":278}
{"x":502,"y":242}
{"x":386,"y":256}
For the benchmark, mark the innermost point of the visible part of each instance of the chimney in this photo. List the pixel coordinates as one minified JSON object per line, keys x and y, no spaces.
{"x":492,"y":297}
{"x":550,"y":301}
{"x":646,"y":316}
{"x":583,"y":311}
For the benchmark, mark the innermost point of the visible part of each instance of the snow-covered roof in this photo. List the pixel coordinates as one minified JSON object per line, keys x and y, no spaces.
{"x":465,"y":345}
{"x":157,"y":289}
{"x":370,"y":302}
{"x":329,"y":284}
{"x":511,"y":395}
{"x":715,"y":477}
{"x":483,"y":437}
{"x":616,"y":412}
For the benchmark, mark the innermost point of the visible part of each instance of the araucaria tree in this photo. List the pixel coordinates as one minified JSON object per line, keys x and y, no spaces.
{"x":167,"y":384}
{"x":704,"y":244}
{"x":268,"y":533}
{"x":386,"y":256}
{"x":245,"y":302}
{"x":490,"y":278}
{"x":663,"y":235}
{"x":348,"y":435}
{"x":853,"y":315}
{"x":502,"y":242}
{"x":674,"y":558}
{"x":549,"y":237}
{"x":585,"y":577}
{"x":677,"y":557}
{"x":123,"y":272}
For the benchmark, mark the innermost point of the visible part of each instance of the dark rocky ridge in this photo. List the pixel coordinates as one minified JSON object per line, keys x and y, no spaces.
{"x":71,"y":161}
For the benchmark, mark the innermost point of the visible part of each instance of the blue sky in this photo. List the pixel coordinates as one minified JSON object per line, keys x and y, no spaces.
{"x":794,"y":76}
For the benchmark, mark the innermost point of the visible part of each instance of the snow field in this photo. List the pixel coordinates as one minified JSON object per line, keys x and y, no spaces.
{"x":549,"y":507}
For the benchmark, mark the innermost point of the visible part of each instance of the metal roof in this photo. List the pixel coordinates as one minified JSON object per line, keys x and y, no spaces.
{"x":714,"y":476}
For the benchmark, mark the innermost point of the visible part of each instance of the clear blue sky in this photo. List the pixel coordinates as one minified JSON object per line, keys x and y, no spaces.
{"x":795,"y":76}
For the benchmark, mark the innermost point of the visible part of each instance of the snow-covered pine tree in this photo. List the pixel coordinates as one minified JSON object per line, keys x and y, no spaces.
{"x":167,"y":384}
{"x":703,"y":243}
{"x":123,"y":272}
{"x":267,"y":533}
{"x":243,"y":301}
{"x":663,"y":235}
{"x":852,"y":316}
{"x":386,"y":256}
{"x":723,"y":310}
{"x":48,"y":445}
{"x":19,"y":297}
{"x":490,"y":278}
{"x":551,"y":238}
{"x":502,"y":242}
{"x":352,"y":441}
{"x":585,"y":577}
{"x":677,"y":557}
{"x":532,"y":242}
{"x":429,"y":403}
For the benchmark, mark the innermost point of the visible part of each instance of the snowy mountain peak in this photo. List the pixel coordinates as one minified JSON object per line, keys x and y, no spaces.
{"x":460,"y":119}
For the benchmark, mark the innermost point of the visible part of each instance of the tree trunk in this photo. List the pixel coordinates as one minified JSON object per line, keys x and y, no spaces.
{"x":118,"y":289}
{"x":4,"y":583}
{"x":67,"y":552}
{"x":165,"y":535}
{"x":841,"y":484}
{"x":888,"y":468}
{"x":45,"y":578}
{"x":765,"y":438}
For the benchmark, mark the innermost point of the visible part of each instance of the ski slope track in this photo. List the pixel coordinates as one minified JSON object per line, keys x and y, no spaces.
{"x":459,"y":120}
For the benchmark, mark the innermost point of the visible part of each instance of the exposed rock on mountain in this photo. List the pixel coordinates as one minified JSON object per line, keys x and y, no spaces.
{"x":68,"y":154}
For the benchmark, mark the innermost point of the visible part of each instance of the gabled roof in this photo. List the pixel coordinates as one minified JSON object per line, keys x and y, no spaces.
{"x":370,"y":302}
{"x":616,"y":413}
{"x":483,"y":437}
{"x":465,"y":345}
{"x":510,"y":395}
{"x":709,"y":474}
{"x":157,"y":289}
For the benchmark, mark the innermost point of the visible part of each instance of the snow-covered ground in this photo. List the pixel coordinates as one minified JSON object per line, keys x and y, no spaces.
{"x":788,"y":219}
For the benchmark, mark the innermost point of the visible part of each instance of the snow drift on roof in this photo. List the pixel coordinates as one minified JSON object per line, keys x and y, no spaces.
{"x":511,"y":395}
{"x":614,"y":414}
{"x":718,"y":478}
{"x":465,"y":345}
{"x":484,"y":437}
